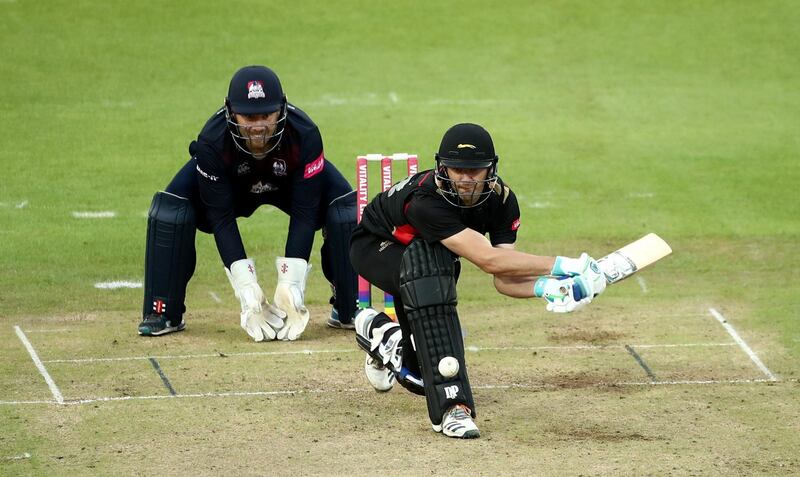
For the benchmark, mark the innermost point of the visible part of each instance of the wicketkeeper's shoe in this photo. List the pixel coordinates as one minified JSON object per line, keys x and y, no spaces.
{"x":334,"y":322}
{"x":157,"y":325}
{"x":457,"y":422}
{"x":381,"y":378}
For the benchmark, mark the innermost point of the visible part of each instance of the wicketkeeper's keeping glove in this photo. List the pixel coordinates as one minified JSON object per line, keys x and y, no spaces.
{"x":290,"y":295}
{"x":259,"y":319}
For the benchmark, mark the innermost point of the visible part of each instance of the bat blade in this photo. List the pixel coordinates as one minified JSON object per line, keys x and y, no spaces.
{"x":633,"y":257}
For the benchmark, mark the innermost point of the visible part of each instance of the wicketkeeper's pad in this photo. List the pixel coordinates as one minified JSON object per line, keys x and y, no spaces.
{"x":169,"y":256}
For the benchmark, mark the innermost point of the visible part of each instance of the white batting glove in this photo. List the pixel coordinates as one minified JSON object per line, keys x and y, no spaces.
{"x":259,"y":319}
{"x":289,"y":295}
{"x":563,"y":294}
{"x":585,"y":266}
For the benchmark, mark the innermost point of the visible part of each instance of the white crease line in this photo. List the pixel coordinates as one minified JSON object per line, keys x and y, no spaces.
{"x":206,"y":355}
{"x":354,"y":350}
{"x":680,"y":345}
{"x":642,"y":283}
{"x":705,"y":381}
{"x":393,"y":97}
{"x":22,"y":456}
{"x":35,"y":357}
{"x":367,"y":390}
{"x":21,"y":205}
{"x":52,"y":330}
{"x":288,"y":392}
{"x":214,"y":297}
{"x":50,"y":401}
{"x":731,"y":331}
{"x":625,"y":383}
{"x":117,"y":284}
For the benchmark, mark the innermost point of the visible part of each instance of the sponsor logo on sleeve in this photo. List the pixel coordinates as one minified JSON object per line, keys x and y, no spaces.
{"x":206,"y":174}
{"x":255,"y":90}
{"x":315,"y":167}
{"x":515,"y":224}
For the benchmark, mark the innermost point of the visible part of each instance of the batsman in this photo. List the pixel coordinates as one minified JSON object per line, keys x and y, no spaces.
{"x":257,"y":149}
{"x":409,"y":243}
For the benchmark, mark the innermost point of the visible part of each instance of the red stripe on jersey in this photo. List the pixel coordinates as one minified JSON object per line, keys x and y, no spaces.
{"x":515,"y":224}
{"x":419,"y":184}
{"x":315,"y":167}
{"x":405,"y":233}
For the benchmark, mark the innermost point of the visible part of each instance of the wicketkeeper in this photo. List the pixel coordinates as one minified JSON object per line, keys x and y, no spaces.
{"x":409,"y":243}
{"x":257,"y":149}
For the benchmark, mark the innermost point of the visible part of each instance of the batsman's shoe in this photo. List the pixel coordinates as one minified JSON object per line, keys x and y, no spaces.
{"x":157,"y":325}
{"x":335,"y":322}
{"x":457,"y":422}
{"x":380,"y":377}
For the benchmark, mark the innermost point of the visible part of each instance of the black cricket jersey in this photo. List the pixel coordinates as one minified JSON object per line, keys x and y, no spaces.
{"x":414,"y":207}
{"x":232,"y":183}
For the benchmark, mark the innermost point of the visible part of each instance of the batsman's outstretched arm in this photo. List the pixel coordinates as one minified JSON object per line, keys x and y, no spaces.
{"x":497,"y":260}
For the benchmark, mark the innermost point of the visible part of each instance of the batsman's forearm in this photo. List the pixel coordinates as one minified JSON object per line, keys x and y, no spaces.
{"x":515,"y":287}
{"x":513,"y":263}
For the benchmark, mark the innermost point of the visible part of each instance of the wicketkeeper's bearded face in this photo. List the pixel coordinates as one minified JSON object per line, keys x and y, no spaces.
{"x":258,"y":131}
{"x":256,"y":110}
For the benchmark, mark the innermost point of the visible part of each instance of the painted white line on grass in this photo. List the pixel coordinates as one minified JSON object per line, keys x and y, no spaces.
{"x":52,"y":330}
{"x":539,"y":205}
{"x":742,"y":344}
{"x":289,"y":392}
{"x":355,"y":350}
{"x":50,"y":401}
{"x":292,"y":392}
{"x":681,"y":345}
{"x":214,"y":297}
{"x":35,"y":357}
{"x":21,"y":205}
{"x":691,"y":382}
{"x":625,"y":383}
{"x":393,"y":97}
{"x":108,"y":214}
{"x":25,"y":455}
{"x":642,"y":283}
{"x":117,"y":284}
{"x":206,"y":355}
{"x":641,"y":195}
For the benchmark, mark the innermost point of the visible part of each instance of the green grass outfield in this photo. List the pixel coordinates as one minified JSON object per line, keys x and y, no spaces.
{"x":611,"y":119}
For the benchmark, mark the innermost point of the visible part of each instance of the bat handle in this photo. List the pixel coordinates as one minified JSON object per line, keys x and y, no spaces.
{"x":616,"y":267}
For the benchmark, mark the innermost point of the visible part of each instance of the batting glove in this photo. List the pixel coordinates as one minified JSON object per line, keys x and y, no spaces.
{"x":584,"y":266}
{"x":563,"y":294}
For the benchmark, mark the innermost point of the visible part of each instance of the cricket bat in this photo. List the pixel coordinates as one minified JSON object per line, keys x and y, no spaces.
{"x":633,"y":257}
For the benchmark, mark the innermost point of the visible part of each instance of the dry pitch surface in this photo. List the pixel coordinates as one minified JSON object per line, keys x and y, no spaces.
{"x":611,"y":390}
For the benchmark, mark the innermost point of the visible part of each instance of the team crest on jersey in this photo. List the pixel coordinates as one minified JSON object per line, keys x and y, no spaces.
{"x":244,"y":168}
{"x":255,"y":90}
{"x":279,"y":167}
{"x":260,"y":188}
